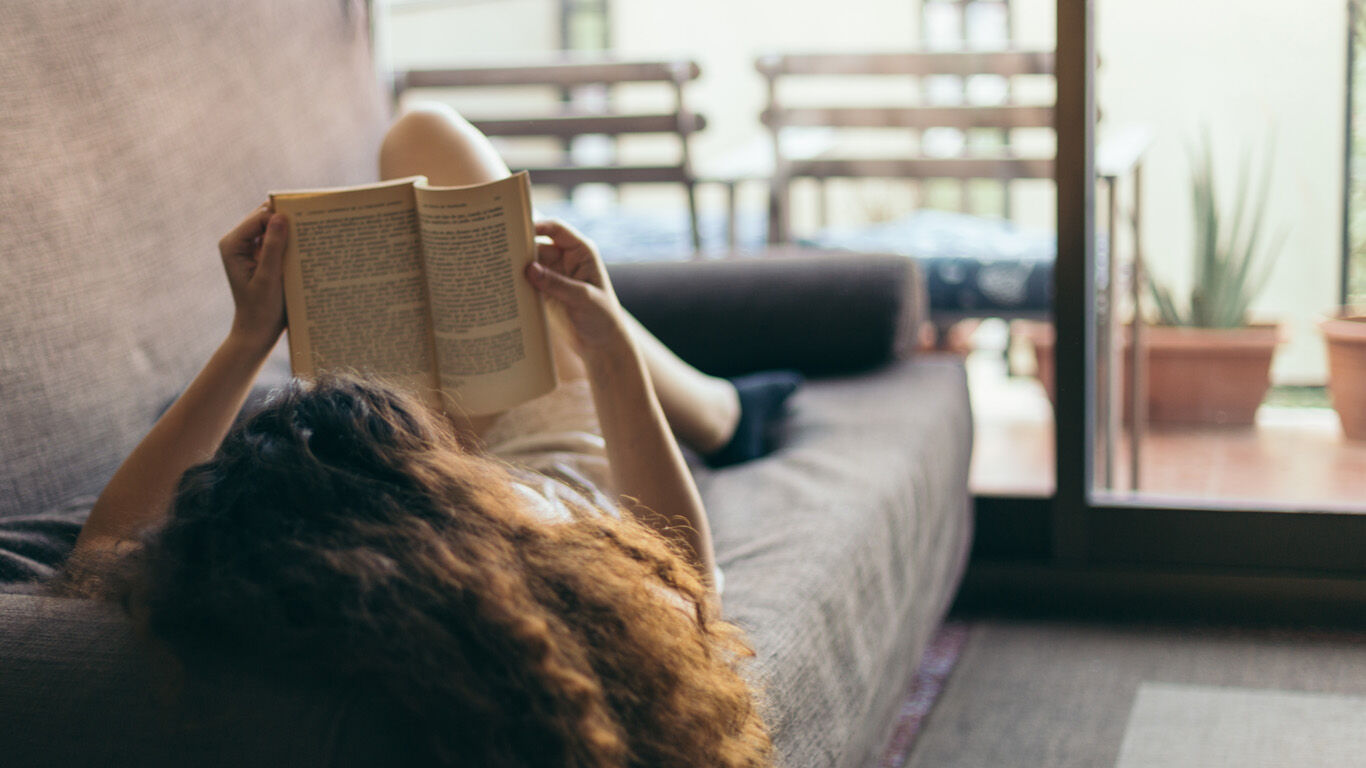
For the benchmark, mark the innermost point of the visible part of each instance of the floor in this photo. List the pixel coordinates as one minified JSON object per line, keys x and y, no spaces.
{"x":1012,"y":451}
{"x":1293,"y":457}
{"x":1035,"y":693}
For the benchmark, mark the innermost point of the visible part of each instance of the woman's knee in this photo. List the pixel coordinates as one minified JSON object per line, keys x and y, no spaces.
{"x":425,"y":120}
{"x":433,"y":139}
{"x":419,"y":127}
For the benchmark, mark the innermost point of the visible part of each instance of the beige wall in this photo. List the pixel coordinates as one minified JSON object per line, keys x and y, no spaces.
{"x":427,"y":33}
{"x":1251,"y":71}
{"x":1245,"y":68}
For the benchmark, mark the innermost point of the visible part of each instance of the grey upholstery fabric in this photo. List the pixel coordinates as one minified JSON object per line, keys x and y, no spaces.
{"x":843,"y":550}
{"x":134,"y":135}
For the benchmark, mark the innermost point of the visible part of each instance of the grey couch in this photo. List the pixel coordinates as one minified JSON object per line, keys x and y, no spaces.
{"x":136,"y":132}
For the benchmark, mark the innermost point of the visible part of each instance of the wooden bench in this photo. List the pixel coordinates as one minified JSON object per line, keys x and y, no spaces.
{"x":916,"y":119}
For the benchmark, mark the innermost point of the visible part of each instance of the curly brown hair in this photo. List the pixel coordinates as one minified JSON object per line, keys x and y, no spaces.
{"x":343,"y":535}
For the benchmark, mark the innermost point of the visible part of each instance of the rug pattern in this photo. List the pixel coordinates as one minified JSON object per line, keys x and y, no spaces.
{"x":935,"y":667}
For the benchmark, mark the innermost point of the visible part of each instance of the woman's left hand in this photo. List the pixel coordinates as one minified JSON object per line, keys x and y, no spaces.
{"x":253,"y":255}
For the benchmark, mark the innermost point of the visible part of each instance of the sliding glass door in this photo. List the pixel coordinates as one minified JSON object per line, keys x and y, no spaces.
{"x":1201,"y":169}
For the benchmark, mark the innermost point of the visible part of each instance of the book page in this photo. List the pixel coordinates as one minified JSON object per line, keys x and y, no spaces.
{"x":489,"y":323}
{"x":354,"y":291}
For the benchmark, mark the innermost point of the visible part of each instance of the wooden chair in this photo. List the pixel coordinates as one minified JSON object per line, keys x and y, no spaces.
{"x":913,"y":118}
{"x":568,"y":100}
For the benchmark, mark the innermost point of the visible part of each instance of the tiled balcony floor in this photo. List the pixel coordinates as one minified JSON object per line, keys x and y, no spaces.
{"x":1294,"y":457}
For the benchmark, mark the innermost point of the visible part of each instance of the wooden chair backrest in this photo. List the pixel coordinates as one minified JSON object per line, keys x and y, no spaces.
{"x":1004,"y":164}
{"x":563,"y":115}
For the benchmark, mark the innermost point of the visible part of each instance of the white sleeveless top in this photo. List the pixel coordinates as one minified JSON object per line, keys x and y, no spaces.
{"x":557,"y":454}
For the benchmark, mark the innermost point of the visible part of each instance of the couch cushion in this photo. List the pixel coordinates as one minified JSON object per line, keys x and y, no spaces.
{"x":821,"y":312}
{"x":135,"y":133}
{"x":843,"y":550}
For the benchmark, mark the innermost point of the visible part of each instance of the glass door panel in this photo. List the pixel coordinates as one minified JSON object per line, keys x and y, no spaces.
{"x":1222,"y":155}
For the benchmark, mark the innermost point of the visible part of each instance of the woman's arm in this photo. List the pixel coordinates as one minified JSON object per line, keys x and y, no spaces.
{"x":647,"y":464}
{"x":190,"y":431}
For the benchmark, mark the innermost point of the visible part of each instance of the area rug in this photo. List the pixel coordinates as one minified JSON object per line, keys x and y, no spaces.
{"x":1038,"y":694}
{"x":935,"y":667}
{"x":1199,"y":726}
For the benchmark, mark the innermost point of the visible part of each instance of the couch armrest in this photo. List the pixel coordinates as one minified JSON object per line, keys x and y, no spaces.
{"x":822,"y":313}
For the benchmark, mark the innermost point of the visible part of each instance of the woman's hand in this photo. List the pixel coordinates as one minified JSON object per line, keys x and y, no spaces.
{"x":647,"y":465}
{"x":253,"y":255}
{"x":570,"y":272}
{"x":193,"y":427}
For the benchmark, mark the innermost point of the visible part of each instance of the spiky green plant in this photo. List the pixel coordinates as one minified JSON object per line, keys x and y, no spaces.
{"x":1230,"y":266}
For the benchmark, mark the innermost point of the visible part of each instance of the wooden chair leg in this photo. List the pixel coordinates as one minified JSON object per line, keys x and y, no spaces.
{"x":732,"y":214}
{"x":696,"y":226}
{"x":778,"y":203}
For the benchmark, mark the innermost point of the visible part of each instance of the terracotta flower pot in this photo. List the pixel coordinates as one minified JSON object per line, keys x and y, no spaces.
{"x":1194,"y":375}
{"x":1208,"y":375}
{"x":1346,"y":335}
{"x":1042,"y":337}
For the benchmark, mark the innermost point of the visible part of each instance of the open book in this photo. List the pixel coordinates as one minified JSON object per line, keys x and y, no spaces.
{"x":422,"y":286}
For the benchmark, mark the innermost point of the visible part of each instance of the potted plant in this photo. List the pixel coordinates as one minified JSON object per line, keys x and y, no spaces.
{"x":1205,"y":362}
{"x":1346,"y":335}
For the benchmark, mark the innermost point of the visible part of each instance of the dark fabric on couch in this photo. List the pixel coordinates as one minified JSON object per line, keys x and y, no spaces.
{"x":33,"y":547}
{"x":822,"y":313}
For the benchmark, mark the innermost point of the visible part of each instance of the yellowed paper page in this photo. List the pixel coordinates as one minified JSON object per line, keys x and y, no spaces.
{"x":354,"y":289}
{"x":489,"y":323}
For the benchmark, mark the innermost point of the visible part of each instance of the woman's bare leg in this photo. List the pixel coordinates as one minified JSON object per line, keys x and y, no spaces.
{"x":436,"y":142}
{"x":702,"y":410}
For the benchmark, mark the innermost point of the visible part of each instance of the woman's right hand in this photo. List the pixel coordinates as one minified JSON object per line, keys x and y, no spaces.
{"x":569,"y":271}
{"x":253,"y":255}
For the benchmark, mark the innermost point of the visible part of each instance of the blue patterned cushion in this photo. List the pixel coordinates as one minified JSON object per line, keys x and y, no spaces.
{"x":973,"y":264}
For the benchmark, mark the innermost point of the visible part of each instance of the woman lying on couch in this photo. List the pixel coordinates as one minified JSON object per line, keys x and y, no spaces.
{"x":346,"y":536}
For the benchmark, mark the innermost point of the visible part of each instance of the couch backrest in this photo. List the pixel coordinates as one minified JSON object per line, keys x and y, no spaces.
{"x":133,"y":135}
